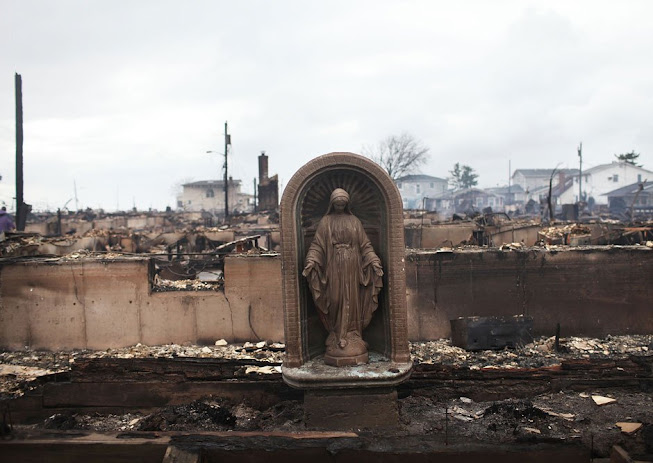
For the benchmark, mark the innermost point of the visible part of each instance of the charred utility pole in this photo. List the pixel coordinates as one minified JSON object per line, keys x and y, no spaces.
{"x":580,"y":173}
{"x":21,"y":207}
{"x":255,"y":206}
{"x":548,"y":198}
{"x":227,"y":143}
{"x":509,"y":180}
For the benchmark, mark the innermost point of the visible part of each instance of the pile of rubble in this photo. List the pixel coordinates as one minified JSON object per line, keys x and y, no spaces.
{"x":540,"y":353}
{"x":572,"y":234}
{"x":19,"y":368}
{"x":596,"y":418}
{"x":161,"y":284}
{"x":19,"y":244}
{"x":568,"y":229}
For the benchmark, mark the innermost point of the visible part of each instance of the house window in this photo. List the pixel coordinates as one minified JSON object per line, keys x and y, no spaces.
{"x":210,"y":193}
{"x":399,"y":185}
{"x":639,"y":178}
{"x":432,"y":185}
{"x":189,"y":201}
{"x":479,"y":202}
{"x":490,"y":202}
{"x":417,"y":188}
{"x":615,"y":178}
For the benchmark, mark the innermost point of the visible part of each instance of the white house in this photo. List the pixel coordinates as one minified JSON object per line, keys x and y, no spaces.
{"x":513,"y":194}
{"x":532,"y":179}
{"x":602,"y":179}
{"x":470,"y":199}
{"x":208,"y":195}
{"x":416,"y":189}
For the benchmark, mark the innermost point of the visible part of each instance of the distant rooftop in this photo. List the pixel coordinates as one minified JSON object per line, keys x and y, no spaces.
{"x":220,"y":183}
{"x":419,"y":178}
{"x":503,"y":190}
{"x":600,"y":167}
{"x":631,"y":189}
{"x":544,"y":172}
{"x":464,"y":191}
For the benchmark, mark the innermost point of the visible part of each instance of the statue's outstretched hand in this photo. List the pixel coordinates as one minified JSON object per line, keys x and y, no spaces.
{"x":377,"y":269}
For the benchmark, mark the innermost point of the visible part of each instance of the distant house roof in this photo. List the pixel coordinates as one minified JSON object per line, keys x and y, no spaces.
{"x":419,"y":178}
{"x":630,"y":190}
{"x":557,"y":189}
{"x":210,"y":183}
{"x":544,"y":172}
{"x":448,"y":194}
{"x":472,"y":190}
{"x":504,"y":190}
{"x":601,"y":167}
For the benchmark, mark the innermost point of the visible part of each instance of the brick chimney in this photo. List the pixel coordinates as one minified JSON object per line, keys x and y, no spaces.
{"x":262,"y":167}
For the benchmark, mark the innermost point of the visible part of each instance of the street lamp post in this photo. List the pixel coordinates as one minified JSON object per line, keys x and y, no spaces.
{"x":227,"y":143}
{"x":421,"y":230}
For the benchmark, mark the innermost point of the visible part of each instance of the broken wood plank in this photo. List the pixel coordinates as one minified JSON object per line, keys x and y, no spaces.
{"x":601,"y":400}
{"x":619,"y":455}
{"x":177,"y":455}
{"x":628,"y":427}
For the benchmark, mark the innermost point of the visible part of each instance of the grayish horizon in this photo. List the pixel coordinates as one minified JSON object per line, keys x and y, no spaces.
{"x":124,"y":99}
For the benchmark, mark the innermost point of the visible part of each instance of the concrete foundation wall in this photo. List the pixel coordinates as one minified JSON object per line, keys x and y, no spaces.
{"x":590,"y":292}
{"x":453,"y":234}
{"x":101,"y":304}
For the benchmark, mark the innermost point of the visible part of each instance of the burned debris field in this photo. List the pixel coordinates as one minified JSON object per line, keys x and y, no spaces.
{"x":595,"y":393}
{"x":129,"y":344}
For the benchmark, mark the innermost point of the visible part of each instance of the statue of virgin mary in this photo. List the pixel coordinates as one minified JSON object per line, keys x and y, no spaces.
{"x":345,"y":277}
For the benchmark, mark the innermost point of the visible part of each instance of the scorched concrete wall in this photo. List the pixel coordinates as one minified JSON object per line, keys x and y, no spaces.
{"x":589,"y":291}
{"x":102,"y":304}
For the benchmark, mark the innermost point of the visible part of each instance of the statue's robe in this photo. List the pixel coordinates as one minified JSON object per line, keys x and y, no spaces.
{"x":343,"y":281}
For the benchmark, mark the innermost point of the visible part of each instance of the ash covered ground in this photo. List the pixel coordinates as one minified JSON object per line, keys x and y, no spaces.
{"x":566,"y":416}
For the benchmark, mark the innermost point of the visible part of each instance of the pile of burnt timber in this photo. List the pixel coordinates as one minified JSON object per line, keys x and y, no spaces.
{"x":114,"y":385}
{"x":313,"y":446}
{"x":492,"y":383}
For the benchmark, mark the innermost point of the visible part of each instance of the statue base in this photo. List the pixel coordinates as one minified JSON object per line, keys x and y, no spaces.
{"x":346,"y":361}
{"x":351,"y":409}
{"x":316,"y":374}
{"x":349,"y":397}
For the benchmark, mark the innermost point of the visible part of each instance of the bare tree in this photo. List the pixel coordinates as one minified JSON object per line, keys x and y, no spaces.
{"x":398,"y":154}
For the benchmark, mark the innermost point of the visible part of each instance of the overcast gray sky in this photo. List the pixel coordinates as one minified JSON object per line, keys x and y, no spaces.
{"x":125,"y":97}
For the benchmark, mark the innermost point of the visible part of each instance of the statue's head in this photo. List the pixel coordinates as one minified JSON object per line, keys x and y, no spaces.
{"x":339,"y":202}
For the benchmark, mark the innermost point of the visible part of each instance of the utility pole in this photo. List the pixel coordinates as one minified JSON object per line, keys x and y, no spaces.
{"x":509,"y":181}
{"x":20,"y":208}
{"x":580,"y":173}
{"x":255,"y":206}
{"x":76,"y":202}
{"x":227,"y":142}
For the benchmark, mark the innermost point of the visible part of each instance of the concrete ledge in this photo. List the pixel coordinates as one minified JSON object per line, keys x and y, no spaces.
{"x":379,"y":373}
